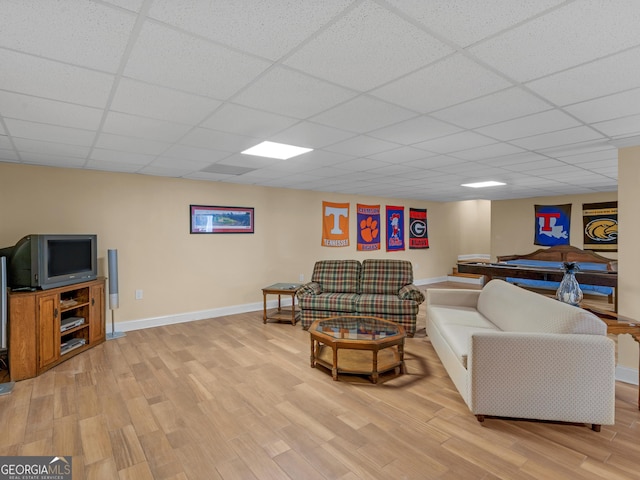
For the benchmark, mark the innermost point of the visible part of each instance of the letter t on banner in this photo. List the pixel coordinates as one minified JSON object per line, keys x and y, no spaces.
{"x":335,"y":224}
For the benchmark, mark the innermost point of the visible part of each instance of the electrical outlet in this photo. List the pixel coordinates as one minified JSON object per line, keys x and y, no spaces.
{"x":301,"y":277}
{"x":138,"y":294}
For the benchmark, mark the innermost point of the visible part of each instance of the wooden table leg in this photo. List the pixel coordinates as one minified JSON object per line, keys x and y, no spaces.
{"x":403,"y":367}
{"x":334,"y":370}
{"x":293,"y":309}
{"x":264,"y":307}
{"x":313,"y":353}
{"x":374,"y":373}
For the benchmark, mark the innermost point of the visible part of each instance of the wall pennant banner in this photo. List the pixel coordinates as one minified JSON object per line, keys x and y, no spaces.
{"x":552,"y":225}
{"x":368,"y":227}
{"x":600,"y":222}
{"x":418,"y":236}
{"x":395,"y":228}
{"x":335,"y":224}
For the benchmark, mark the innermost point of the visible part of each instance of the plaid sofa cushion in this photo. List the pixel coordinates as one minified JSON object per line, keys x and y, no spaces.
{"x":337,"y":276}
{"x":382,"y":305}
{"x":333,"y":302}
{"x":385,"y":276}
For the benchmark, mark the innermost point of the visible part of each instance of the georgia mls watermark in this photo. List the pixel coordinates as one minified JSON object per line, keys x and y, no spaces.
{"x":35,"y":468}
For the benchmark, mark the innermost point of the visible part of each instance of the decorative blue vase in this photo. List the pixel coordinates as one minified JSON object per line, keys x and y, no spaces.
{"x":569,"y":290}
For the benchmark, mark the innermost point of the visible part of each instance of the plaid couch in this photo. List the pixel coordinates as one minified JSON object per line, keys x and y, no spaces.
{"x":377,"y":288}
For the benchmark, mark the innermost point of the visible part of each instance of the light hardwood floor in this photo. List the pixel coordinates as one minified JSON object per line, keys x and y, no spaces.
{"x":231,"y":398}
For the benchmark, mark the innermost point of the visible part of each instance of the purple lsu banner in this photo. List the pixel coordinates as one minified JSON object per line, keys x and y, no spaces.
{"x":552,"y":225}
{"x":368,"y":227}
{"x":395,"y":228}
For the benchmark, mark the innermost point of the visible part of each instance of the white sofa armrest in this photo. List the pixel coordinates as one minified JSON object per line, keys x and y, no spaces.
{"x":452,"y":297}
{"x":564,"y":377}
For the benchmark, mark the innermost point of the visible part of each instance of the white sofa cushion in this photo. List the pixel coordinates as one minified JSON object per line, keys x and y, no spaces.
{"x":456,"y":324}
{"x":515,"y":309}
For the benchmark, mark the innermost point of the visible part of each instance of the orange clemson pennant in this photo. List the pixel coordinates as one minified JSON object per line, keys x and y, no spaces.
{"x":368,"y":227}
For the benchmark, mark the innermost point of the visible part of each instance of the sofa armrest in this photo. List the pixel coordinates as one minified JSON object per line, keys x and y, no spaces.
{"x":310,"y":288}
{"x":453,"y":297}
{"x":550,"y":376}
{"x":411,"y":292}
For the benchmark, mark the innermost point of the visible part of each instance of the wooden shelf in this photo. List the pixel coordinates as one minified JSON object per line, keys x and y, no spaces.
{"x":34,"y":326}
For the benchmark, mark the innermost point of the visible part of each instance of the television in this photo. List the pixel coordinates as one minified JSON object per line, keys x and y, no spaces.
{"x":43,"y":261}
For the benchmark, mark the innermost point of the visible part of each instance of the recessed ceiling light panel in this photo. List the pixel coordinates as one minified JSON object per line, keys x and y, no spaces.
{"x":281,"y":151}
{"x":490,"y":183}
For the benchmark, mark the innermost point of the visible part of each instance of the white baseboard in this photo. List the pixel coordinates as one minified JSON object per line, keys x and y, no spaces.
{"x":475,"y":256}
{"x":627,"y":375}
{"x":474,"y":281}
{"x":140,"y":324}
{"x":427,"y":281}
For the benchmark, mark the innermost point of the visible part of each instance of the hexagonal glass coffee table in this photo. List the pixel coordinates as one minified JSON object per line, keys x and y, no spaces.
{"x":357,"y":345}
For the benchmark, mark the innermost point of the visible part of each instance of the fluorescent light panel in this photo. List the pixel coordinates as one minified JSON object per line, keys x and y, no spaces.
{"x":490,"y":183}
{"x":281,"y":151}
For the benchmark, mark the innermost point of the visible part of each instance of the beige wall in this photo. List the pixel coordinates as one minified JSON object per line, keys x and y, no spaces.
{"x":513,"y":225}
{"x":629,"y":259}
{"x":147,"y":220}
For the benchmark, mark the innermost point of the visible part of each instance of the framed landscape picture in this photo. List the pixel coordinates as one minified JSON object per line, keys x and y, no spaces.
{"x":213,"y":219}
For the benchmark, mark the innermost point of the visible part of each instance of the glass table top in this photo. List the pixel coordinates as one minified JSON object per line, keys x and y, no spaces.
{"x":357,"y":328}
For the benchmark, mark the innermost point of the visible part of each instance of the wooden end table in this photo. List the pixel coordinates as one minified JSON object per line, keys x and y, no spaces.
{"x":281,"y":314}
{"x":617,"y":325}
{"x":365,"y":345}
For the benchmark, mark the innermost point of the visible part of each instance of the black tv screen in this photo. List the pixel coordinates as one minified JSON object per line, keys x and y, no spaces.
{"x":68,"y":256}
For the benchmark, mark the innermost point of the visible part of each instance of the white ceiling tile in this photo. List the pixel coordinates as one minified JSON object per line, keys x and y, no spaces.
{"x":620,"y":127}
{"x":114,"y":156}
{"x":173,"y":59}
{"x":291,"y":93}
{"x":51,"y":148}
{"x":133,"y":5}
{"x":112,"y":166}
{"x":488,"y":151}
{"x":608,"y":108}
{"x":322,"y":158}
{"x":7,"y":155}
{"x":48,"y":79}
{"x":4,"y":141}
{"x":141,"y":127}
{"x":165,"y":171}
{"x":247,"y":121}
{"x":361,"y":165}
{"x":547,"y":45}
{"x":249,"y":25}
{"x":494,"y":108}
{"x":195,"y":154}
{"x":362,"y":146}
{"x":95,"y":36}
{"x":389,"y":171}
{"x":250,"y":161}
{"x":229,"y":142}
{"x":466,"y":22}
{"x":52,"y":160}
{"x":123,"y":143}
{"x":368,"y":47}
{"x":447,"y":82}
{"x":362,"y":114}
{"x":24,"y":107}
{"x":311,"y":135}
{"x":138,"y":98}
{"x":49,"y":133}
{"x":401,"y":155}
{"x":181,"y":164}
{"x":596,"y":79}
{"x":555,"y":139}
{"x":415,"y":130}
{"x":530,"y":125}
{"x":455,"y":142}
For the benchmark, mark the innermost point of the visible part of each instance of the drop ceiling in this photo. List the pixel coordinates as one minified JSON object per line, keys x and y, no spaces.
{"x":398,"y":98}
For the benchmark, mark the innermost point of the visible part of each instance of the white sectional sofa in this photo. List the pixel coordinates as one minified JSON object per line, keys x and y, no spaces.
{"x":515,"y":353}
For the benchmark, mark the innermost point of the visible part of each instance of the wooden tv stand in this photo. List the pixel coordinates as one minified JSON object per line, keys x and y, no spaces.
{"x":36,"y":342}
